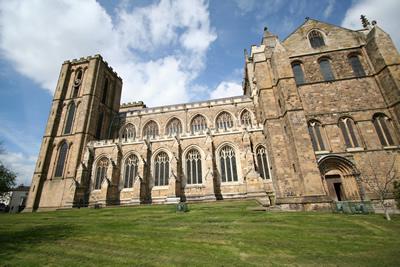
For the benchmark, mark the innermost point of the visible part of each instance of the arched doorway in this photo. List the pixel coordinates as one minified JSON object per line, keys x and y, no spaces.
{"x":340,"y":178}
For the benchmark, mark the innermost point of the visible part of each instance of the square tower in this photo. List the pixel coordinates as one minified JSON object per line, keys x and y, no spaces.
{"x":86,"y":100}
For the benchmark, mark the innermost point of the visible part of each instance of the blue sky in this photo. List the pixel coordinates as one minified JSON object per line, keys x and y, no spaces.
{"x":180,"y":50}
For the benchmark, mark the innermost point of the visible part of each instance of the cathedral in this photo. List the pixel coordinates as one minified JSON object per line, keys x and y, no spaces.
{"x":318,"y":117}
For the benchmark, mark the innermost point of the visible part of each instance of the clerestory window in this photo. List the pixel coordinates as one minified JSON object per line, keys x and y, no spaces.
{"x":224,"y":121}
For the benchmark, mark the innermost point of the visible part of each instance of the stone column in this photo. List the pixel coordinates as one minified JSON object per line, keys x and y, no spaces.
{"x":171,"y":194}
{"x":254,"y":183}
{"x":209,"y":191}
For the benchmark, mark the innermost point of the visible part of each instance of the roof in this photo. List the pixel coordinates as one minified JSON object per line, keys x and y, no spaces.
{"x":316,"y":20}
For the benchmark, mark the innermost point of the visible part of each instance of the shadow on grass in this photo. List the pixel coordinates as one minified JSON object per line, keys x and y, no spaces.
{"x":18,"y":241}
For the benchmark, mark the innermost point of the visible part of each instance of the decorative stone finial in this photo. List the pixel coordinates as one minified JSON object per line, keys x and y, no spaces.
{"x":307,"y":18}
{"x":364,"y":21}
{"x":265,"y":28}
{"x":373,"y":23}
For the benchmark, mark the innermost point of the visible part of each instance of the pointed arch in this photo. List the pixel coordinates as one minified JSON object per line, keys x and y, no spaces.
{"x":127,"y":132}
{"x":194,"y":172}
{"x":317,"y":139}
{"x":245,"y":118}
{"x":70,"y":118}
{"x":150,"y":130}
{"x":262,"y":162}
{"x":77,"y":82}
{"x":224,"y":121}
{"x":61,"y":160}
{"x":131,"y":164}
{"x":174,"y":127}
{"x":101,"y":172}
{"x":161,"y":168}
{"x":349,"y":132}
{"x":227,"y":164}
{"x":198,"y":124}
{"x":384,"y":129}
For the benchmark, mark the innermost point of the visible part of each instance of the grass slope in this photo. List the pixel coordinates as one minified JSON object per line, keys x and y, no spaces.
{"x":211,"y":234}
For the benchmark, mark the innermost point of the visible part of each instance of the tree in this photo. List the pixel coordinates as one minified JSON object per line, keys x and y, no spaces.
{"x":382,"y":186}
{"x":7,"y":177}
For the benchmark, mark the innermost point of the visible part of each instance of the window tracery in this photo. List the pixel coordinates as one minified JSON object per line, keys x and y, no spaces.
{"x":224,"y":121}
{"x":193,"y":167}
{"x":228,"y":164}
{"x":131,"y":168}
{"x":150,"y":130}
{"x":101,"y":172}
{"x":161,"y":169}
{"x":316,"y":39}
{"x":198,"y":124}
{"x":174,"y":127}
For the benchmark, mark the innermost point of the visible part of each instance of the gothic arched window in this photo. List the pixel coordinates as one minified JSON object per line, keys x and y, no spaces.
{"x":355,"y":63}
{"x":77,"y":82}
{"x":298,"y":72}
{"x":316,"y":39}
{"x":383,"y":127}
{"x":150,"y":130}
{"x":326,"y":70}
{"x":193,"y":167}
{"x":174,"y":127}
{"x":101,"y":172}
{"x":62,"y":156}
{"x":70,"y":118}
{"x":128,"y":132}
{"x":198,"y":124}
{"x":245,"y":118}
{"x":224,"y":121}
{"x":131,"y":168}
{"x":262,"y":162}
{"x":161,"y":169}
{"x":228,"y":164}
{"x":347,"y":127}
{"x":315,"y":130}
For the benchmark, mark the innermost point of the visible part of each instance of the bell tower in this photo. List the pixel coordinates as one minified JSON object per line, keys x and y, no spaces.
{"x":86,"y":99}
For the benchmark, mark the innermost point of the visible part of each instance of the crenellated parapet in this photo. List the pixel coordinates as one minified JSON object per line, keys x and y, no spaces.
{"x":88,"y":58}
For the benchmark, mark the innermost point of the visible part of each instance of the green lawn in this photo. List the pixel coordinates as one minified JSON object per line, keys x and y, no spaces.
{"x":211,"y":234}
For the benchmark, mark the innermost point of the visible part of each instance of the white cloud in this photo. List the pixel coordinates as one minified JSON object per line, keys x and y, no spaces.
{"x":386,"y":13}
{"x":227,"y":89}
{"x":246,"y":6}
{"x":329,"y":8}
{"x":21,"y":164}
{"x":37,"y":36}
{"x":19,"y":138}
